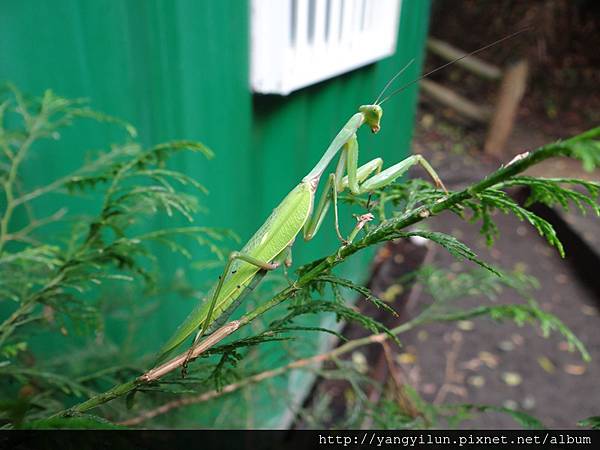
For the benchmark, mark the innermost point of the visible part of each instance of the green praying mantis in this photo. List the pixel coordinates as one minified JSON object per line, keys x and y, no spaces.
{"x":271,"y":245}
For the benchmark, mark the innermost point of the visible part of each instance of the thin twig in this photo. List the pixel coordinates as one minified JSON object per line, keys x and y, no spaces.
{"x":451,"y":376}
{"x":21,"y":234}
{"x":404,"y":401}
{"x":179,"y":360}
{"x":316,"y":359}
{"x":8,"y":189}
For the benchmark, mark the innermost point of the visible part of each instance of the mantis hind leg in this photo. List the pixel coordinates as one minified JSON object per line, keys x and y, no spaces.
{"x":264,"y":266}
{"x":232,"y":258}
{"x":284,"y":257}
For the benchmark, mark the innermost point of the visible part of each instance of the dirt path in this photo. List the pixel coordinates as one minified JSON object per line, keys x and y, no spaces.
{"x":480,"y":361}
{"x":502,"y":364}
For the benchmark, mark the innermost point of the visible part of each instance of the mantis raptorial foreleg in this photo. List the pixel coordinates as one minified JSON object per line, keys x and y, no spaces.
{"x":329,"y":192}
{"x":332,"y":188}
{"x":314,"y":223}
{"x":358,"y":181}
{"x":390,"y":174}
{"x":348,"y":162}
{"x":387,"y":176}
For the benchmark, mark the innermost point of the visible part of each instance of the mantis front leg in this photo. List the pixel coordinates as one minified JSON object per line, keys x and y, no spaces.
{"x":359,"y":181}
{"x":390,"y":174}
{"x":332,"y":187}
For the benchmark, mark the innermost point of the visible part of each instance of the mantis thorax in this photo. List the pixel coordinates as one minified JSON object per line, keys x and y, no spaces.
{"x":372,"y":115}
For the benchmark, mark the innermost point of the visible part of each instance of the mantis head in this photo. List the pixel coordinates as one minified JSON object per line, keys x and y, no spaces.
{"x":372,"y":115}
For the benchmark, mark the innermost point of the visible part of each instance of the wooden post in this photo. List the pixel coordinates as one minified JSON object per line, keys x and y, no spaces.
{"x":511,"y":91}
{"x":471,"y":63}
{"x":462,"y":105}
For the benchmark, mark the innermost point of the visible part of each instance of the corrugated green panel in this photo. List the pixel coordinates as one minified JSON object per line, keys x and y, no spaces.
{"x":179,"y":69}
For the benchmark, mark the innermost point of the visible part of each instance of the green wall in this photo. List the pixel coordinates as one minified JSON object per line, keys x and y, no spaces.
{"x":179,"y":70}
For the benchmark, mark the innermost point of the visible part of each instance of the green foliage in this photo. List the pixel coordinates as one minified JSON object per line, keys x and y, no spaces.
{"x":80,"y":421}
{"x":407,"y":195}
{"x":364,"y":292}
{"x":447,"y":288}
{"x":408,"y":411}
{"x":404,"y":196}
{"x":389,"y":414}
{"x":491,"y":199}
{"x":551,"y":192}
{"x":55,"y":284}
{"x":341,"y":312}
{"x":414,"y":202}
{"x":586,"y":147}
{"x":459,"y":413}
{"x":50,"y":282}
{"x":391,"y":411}
{"x":356,"y":396}
{"x":591,"y":422}
{"x":453,"y":245}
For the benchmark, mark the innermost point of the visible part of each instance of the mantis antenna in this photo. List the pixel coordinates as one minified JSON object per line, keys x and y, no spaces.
{"x":391,"y":80}
{"x":485,"y":47}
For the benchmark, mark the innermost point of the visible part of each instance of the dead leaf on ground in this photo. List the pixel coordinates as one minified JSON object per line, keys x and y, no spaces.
{"x":506,"y":346}
{"x":422,"y":335}
{"x":391,"y":293}
{"x":406,"y":358}
{"x":546,"y":364}
{"x":465,"y":325}
{"x":517,"y":339}
{"x":489,"y":359}
{"x":512,"y":378}
{"x":575,"y":369}
{"x":564,"y":346}
{"x":477,"y":381}
{"x":589,"y":310}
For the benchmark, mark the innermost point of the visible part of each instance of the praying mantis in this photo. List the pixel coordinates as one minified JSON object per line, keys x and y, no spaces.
{"x":271,"y":245}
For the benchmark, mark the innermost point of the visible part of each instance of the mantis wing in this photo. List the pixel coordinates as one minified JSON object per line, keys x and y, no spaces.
{"x":272,"y":238}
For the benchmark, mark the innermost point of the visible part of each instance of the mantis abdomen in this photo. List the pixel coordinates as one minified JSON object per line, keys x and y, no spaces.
{"x":271,"y":239}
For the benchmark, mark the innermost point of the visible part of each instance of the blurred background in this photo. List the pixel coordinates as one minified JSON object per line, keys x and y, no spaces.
{"x":266,"y":85}
{"x":539,"y":87}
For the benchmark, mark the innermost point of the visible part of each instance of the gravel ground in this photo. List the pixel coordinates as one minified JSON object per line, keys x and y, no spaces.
{"x":484,"y":362}
{"x":480,"y":361}
{"x":503,"y":364}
